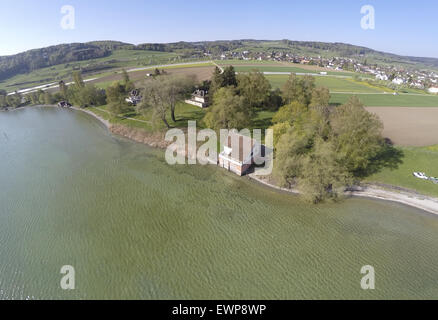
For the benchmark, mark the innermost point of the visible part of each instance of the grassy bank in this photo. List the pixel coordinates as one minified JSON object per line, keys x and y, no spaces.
{"x":423,"y":159}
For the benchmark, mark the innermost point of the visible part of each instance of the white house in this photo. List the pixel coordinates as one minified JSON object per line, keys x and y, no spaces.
{"x":383,"y":77}
{"x":199,"y":99}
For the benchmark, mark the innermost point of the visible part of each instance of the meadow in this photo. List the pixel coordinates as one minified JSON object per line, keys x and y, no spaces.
{"x":289,"y":68}
{"x":422,"y":159}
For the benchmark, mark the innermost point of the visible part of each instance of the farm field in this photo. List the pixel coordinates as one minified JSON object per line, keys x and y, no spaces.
{"x":202,"y":72}
{"x":280,"y":66}
{"x":295,"y":68}
{"x":342,"y":89}
{"x":332,"y":83}
{"x":388,"y":100}
{"x":409,"y":126}
{"x":118,"y":59}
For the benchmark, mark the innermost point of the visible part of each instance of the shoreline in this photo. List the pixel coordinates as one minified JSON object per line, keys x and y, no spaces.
{"x":372,"y":191}
{"x":409,"y":198}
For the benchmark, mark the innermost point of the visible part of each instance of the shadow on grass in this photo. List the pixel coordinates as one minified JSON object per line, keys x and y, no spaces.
{"x":389,"y":157}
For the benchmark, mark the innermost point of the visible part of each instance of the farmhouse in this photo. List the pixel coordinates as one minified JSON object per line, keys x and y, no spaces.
{"x":238,"y":153}
{"x":199,"y":99}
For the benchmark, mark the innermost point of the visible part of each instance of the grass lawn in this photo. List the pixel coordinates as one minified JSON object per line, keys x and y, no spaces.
{"x":184,"y":112}
{"x":422,"y":159}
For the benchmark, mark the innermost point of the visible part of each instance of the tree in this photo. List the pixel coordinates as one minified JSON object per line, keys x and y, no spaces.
{"x":357,"y":135}
{"x":177,"y":87}
{"x":223,"y":79}
{"x":254,"y":87}
{"x":323,"y":176}
{"x":48,"y":98}
{"x":77,"y":79}
{"x":155,"y":99}
{"x":274,"y":100}
{"x":116,"y":98}
{"x":217,"y":81}
{"x":13,"y":100}
{"x":3,"y":102}
{"x":63,"y":89}
{"x":290,"y":113}
{"x":298,"y":89}
{"x":229,"y":76}
{"x":129,"y":85}
{"x":320,"y":97}
{"x":229,"y":111}
{"x":86,"y":96}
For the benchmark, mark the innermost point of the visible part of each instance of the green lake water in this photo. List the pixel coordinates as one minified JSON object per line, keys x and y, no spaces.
{"x":134,"y":227}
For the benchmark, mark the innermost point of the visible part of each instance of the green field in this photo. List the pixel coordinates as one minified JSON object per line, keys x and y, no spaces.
{"x":291,"y":68}
{"x":332,"y":83}
{"x":369,"y":95}
{"x":423,"y":159}
{"x":245,"y":62}
{"x":389,"y":100}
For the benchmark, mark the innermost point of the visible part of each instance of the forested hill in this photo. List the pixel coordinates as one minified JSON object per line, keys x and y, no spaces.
{"x":65,"y":53}
{"x":39,"y":58}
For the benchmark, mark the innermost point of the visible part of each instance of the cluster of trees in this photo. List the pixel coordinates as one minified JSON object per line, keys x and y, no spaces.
{"x":236,"y":98}
{"x":162,"y":93}
{"x":322,"y":149}
{"x":10,"y":101}
{"x":78,"y":93}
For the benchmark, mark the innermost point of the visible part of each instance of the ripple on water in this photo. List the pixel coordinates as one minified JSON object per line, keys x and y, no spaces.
{"x":134,"y":227}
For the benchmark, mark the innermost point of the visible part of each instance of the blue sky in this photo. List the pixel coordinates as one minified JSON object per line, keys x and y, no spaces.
{"x":403,"y":27}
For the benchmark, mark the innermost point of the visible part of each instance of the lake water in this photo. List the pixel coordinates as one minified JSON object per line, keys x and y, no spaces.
{"x":134,"y":227}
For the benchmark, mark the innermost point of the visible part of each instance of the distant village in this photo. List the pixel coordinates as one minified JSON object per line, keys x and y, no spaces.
{"x":395,"y":76}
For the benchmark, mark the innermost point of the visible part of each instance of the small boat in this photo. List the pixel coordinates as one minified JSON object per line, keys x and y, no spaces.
{"x":421,"y":175}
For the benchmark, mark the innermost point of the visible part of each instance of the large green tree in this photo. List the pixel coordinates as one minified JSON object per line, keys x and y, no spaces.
{"x":177,"y":87}
{"x":116,"y":95}
{"x":254,"y":87}
{"x":298,"y":88}
{"x":322,"y":151}
{"x":223,"y":79}
{"x":155,"y":99}
{"x":357,"y":135}
{"x":229,"y":111}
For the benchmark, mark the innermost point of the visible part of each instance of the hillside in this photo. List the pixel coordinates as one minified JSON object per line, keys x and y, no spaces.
{"x":105,"y":55}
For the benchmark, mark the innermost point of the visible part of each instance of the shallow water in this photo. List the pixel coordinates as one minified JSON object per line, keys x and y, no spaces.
{"x":134,"y":227}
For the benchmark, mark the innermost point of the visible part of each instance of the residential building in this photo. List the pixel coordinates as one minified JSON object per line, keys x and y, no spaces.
{"x":199,"y":98}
